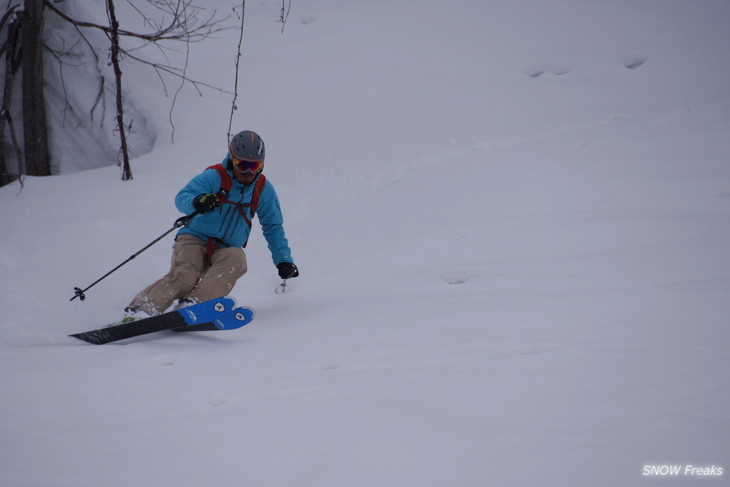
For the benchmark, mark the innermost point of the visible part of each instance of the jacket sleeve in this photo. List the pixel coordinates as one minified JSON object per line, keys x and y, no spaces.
{"x":206,"y":182}
{"x":272,"y":224}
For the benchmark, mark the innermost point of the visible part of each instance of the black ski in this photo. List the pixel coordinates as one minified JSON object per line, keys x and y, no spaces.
{"x":216,"y":314}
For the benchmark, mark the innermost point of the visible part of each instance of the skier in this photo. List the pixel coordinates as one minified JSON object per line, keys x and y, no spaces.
{"x":208,"y":257}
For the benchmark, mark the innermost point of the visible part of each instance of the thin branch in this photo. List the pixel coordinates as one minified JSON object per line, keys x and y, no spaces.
{"x":174,"y":31}
{"x":141,"y":14}
{"x":16,"y":145}
{"x":67,"y":106}
{"x":8,"y":13}
{"x":173,"y":71}
{"x":284,"y":14}
{"x":234,"y":107}
{"x":6,"y":16}
{"x":100,"y":95}
{"x":174,"y":98}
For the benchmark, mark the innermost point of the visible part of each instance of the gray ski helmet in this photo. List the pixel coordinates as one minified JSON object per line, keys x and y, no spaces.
{"x":248,"y":146}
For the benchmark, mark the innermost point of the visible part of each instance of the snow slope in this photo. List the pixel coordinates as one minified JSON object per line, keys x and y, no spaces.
{"x":511,"y":222}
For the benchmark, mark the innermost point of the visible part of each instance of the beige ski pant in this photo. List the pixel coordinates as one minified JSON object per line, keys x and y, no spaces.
{"x":191,"y":276}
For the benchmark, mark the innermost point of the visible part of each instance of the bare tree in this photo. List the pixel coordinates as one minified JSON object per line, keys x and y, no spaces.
{"x":182,"y":24}
{"x":12,"y":61}
{"x":34,"y":107}
{"x":114,"y":37}
{"x":24,"y":36}
{"x":179,"y":21}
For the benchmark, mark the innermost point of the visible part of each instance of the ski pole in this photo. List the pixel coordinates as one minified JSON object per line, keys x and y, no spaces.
{"x":180,"y":222}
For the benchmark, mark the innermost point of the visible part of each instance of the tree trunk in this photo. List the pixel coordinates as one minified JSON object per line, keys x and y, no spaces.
{"x":37,"y":162}
{"x":6,"y":175}
{"x":114,"y":36}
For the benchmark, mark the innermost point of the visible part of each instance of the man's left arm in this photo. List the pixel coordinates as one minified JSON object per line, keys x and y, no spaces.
{"x":272,"y":224}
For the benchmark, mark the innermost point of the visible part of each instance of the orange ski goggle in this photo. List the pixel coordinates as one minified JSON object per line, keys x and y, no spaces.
{"x":244,"y":165}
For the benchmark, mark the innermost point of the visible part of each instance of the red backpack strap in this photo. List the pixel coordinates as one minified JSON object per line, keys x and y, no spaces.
{"x":257,"y":190}
{"x":214,"y":243}
{"x":225,"y":177}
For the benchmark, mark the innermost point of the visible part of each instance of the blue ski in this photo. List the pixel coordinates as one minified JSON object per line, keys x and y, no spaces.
{"x":216,"y":314}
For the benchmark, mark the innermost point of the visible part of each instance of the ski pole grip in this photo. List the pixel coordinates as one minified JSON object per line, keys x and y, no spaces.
{"x":184,"y":220}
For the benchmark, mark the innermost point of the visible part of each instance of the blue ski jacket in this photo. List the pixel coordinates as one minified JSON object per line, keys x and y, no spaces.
{"x":225,"y":223}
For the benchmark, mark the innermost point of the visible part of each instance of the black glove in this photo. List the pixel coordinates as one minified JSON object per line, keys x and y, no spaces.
{"x":205,"y":203}
{"x":287,"y":270}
